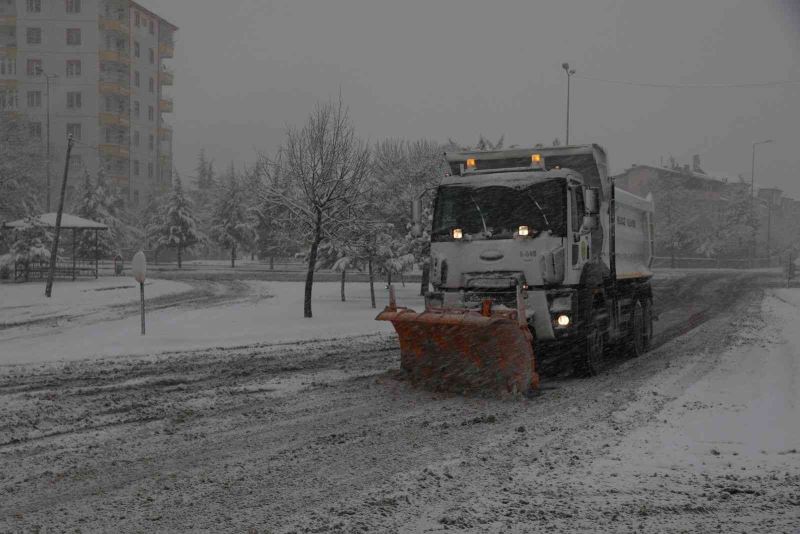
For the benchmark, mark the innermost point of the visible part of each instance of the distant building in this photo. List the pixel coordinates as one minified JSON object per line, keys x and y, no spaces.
{"x":709,"y":196}
{"x":103,"y":61}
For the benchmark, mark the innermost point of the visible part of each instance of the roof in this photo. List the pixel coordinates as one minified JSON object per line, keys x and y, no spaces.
{"x":67,"y":221}
{"x":682,"y":172}
{"x":141,"y":7}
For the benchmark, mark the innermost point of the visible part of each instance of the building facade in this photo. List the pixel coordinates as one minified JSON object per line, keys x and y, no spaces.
{"x":95,"y":69}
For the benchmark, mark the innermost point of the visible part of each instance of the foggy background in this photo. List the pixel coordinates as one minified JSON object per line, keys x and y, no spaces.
{"x":447,"y":68}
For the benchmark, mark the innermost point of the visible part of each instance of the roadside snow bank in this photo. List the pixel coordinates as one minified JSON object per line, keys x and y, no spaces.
{"x":272,"y":313}
{"x":24,"y":303}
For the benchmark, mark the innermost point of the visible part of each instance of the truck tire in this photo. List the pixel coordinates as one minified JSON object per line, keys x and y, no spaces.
{"x":590,"y":354}
{"x":648,"y":324}
{"x":636,"y":335}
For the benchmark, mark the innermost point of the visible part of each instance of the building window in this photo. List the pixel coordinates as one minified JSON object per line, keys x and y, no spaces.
{"x":8,"y":66}
{"x":136,"y":197}
{"x":74,"y":36}
{"x":149,"y":170}
{"x":76,"y":161}
{"x":34,"y":99}
{"x":152,"y":26}
{"x":136,"y":138}
{"x":152,"y":84}
{"x":150,"y":113}
{"x":136,"y":167}
{"x":109,"y":135}
{"x":137,"y":19}
{"x":152,"y":56}
{"x":74,"y":100}
{"x":73,"y":68}
{"x":33,"y":36}
{"x":74,"y":129}
{"x":136,"y":108}
{"x":36,"y":130}
{"x":34,"y":6}
{"x":136,"y":78}
{"x":151,"y":142}
{"x":34,"y":67}
{"x":73,"y":6}
{"x":136,"y":48}
{"x":8,"y":99}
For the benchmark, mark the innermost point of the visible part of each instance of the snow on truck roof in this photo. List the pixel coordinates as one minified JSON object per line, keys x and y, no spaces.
{"x":68,"y":221}
{"x":506,"y":179}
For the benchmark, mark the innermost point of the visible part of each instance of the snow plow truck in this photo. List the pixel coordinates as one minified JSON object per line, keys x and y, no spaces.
{"x":535,"y":256}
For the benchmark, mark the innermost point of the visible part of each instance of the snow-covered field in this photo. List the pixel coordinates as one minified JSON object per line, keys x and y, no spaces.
{"x":702,"y":434}
{"x":264,"y":312}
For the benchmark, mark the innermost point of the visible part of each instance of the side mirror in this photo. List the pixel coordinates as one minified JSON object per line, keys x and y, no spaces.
{"x":416,"y":210}
{"x":592,"y":201}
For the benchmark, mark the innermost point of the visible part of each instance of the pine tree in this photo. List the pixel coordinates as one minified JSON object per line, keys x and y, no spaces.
{"x":96,"y":202}
{"x":176,"y":223}
{"x":230,"y":224}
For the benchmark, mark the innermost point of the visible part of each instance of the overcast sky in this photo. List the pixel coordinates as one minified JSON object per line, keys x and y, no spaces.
{"x":461,"y":68}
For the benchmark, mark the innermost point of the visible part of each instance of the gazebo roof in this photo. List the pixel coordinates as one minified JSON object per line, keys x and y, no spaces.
{"x":68,"y":222}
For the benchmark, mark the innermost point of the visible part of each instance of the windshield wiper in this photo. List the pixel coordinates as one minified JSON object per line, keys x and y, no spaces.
{"x":540,"y":210}
{"x":485,"y":230}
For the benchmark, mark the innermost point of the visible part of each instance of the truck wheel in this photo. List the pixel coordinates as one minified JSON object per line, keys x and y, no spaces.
{"x":636,"y":339}
{"x":648,"y":324}
{"x":590,"y":357}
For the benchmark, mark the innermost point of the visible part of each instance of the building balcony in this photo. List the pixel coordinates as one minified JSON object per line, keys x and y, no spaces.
{"x":166,"y":77}
{"x":8,"y":84}
{"x":166,"y":50}
{"x":165,"y":105}
{"x":8,"y":51}
{"x":114,"y":151}
{"x":113,"y":25}
{"x":115,"y":119}
{"x":8,"y":20}
{"x":115,"y":56}
{"x":114,"y":89}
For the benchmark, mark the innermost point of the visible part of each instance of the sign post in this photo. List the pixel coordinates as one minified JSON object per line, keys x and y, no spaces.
{"x":139,"y":268}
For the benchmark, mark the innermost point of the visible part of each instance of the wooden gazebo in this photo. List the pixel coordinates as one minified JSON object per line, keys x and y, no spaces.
{"x":38,"y":270}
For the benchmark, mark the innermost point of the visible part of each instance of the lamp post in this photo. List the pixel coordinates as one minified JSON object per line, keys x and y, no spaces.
{"x":48,"y":77}
{"x":753,"y":191}
{"x":569,"y":72}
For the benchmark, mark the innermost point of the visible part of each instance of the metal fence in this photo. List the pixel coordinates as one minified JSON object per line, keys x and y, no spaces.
{"x":25,"y":271}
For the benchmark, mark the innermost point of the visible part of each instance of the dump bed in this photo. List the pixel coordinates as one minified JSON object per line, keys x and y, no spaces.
{"x":633,"y":234}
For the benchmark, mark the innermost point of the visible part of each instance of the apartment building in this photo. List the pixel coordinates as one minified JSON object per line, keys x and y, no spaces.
{"x":95,"y":69}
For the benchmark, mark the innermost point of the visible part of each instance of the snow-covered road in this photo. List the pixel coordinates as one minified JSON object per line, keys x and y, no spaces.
{"x":699,"y":435}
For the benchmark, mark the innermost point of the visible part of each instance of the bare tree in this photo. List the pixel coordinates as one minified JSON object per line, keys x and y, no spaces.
{"x":326,"y":167}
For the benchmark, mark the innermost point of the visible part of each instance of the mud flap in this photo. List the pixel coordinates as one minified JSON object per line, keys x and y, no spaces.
{"x":466,"y":350}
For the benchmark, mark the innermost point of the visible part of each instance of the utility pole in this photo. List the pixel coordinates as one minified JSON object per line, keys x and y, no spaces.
{"x":48,"y":291}
{"x":569,"y":72}
{"x":753,"y":192}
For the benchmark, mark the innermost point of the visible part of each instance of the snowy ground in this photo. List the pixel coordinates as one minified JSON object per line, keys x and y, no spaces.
{"x":699,"y":435}
{"x":257,"y":312}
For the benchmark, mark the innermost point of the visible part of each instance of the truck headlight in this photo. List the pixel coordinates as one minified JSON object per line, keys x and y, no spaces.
{"x":563,"y":320}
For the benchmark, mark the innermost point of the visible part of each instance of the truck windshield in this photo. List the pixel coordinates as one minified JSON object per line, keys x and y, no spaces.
{"x":497,"y":212}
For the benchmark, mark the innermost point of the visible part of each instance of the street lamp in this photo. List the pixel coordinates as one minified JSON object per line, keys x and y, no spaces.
{"x":48,"y":77}
{"x":753,"y":191}
{"x":569,"y":72}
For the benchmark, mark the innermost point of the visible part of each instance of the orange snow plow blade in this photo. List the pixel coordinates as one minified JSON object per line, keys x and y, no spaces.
{"x":465,"y":350}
